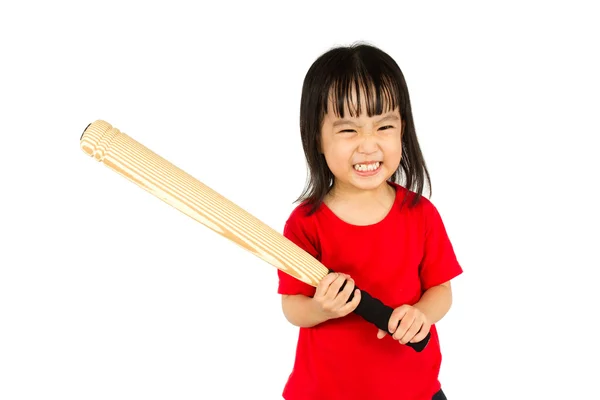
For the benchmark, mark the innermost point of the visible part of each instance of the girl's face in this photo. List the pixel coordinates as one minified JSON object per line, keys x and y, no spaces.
{"x":362,"y":152}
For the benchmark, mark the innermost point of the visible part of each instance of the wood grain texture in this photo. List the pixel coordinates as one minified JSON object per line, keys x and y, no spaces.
{"x":124,"y":155}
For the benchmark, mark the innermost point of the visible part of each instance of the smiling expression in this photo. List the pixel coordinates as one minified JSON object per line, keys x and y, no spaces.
{"x":362,"y":152}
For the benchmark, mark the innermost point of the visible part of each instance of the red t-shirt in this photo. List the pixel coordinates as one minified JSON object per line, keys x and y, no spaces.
{"x":394,"y":260}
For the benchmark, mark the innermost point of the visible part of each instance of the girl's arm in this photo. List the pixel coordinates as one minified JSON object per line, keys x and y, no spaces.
{"x":327,"y":303}
{"x":435,"y":302}
{"x":302,"y":311}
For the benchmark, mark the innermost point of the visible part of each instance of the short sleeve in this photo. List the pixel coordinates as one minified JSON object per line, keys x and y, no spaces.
{"x":439,"y":262}
{"x":296,"y":231}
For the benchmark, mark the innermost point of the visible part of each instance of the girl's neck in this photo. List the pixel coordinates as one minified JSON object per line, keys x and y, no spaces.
{"x":361,"y":207}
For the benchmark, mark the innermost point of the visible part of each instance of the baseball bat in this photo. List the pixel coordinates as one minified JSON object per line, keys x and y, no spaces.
{"x":121,"y":153}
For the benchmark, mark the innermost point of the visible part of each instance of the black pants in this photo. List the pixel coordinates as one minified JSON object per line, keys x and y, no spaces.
{"x":439,"y":396}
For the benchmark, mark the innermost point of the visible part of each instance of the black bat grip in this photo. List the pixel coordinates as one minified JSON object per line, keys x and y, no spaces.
{"x":377,"y":313}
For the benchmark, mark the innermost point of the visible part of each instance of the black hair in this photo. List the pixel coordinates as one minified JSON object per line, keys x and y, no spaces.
{"x":337,"y":72}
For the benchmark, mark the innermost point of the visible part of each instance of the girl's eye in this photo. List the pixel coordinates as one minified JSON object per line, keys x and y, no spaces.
{"x":387,"y":127}
{"x":347,"y":130}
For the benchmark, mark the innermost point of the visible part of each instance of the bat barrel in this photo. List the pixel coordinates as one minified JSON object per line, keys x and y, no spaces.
{"x":148,"y":170}
{"x":96,"y":139}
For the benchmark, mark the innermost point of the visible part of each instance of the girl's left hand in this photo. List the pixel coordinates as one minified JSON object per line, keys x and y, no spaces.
{"x":413,"y":327}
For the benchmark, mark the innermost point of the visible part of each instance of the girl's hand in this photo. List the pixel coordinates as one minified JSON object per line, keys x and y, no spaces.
{"x":330,"y":301}
{"x":414,"y":325}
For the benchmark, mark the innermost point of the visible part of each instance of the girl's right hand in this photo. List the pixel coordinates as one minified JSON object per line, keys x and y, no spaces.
{"x":330,"y":301}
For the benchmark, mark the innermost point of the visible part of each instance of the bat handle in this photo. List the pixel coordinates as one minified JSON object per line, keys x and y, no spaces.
{"x":377,"y":313}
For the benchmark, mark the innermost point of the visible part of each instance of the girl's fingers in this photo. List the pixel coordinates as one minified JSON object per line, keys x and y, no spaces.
{"x":411,"y":332}
{"x":395,"y":319}
{"x":334,"y":288}
{"x":421,"y":335}
{"x":344,"y":295}
{"x":351,"y":306}
{"x":405,"y":324}
{"x":323,"y":286}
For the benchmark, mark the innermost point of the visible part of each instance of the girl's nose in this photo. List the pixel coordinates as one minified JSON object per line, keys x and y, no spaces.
{"x":368,"y":144}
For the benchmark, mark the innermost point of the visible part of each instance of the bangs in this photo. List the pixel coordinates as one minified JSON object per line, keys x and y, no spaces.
{"x":360,"y":90}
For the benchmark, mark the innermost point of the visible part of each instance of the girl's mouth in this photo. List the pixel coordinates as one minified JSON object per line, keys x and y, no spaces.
{"x":367,"y":168}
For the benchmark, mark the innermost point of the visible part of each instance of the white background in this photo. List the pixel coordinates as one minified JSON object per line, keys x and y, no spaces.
{"x":108,"y":293}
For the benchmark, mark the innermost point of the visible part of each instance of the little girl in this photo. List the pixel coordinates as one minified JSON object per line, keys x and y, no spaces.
{"x":356,"y":218}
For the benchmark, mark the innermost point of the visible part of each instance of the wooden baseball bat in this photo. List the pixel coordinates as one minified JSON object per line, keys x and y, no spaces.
{"x":182,"y":191}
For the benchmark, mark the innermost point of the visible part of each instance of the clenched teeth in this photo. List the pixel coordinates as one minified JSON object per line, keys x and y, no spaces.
{"x":367,"y":167}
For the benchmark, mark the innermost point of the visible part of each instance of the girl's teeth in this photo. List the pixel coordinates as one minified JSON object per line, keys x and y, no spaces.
{"x":366,"y":167}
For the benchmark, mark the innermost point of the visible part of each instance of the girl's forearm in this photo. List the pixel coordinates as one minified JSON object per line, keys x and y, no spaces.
{"x":435,"y":302}
{"x":302,"y":311}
